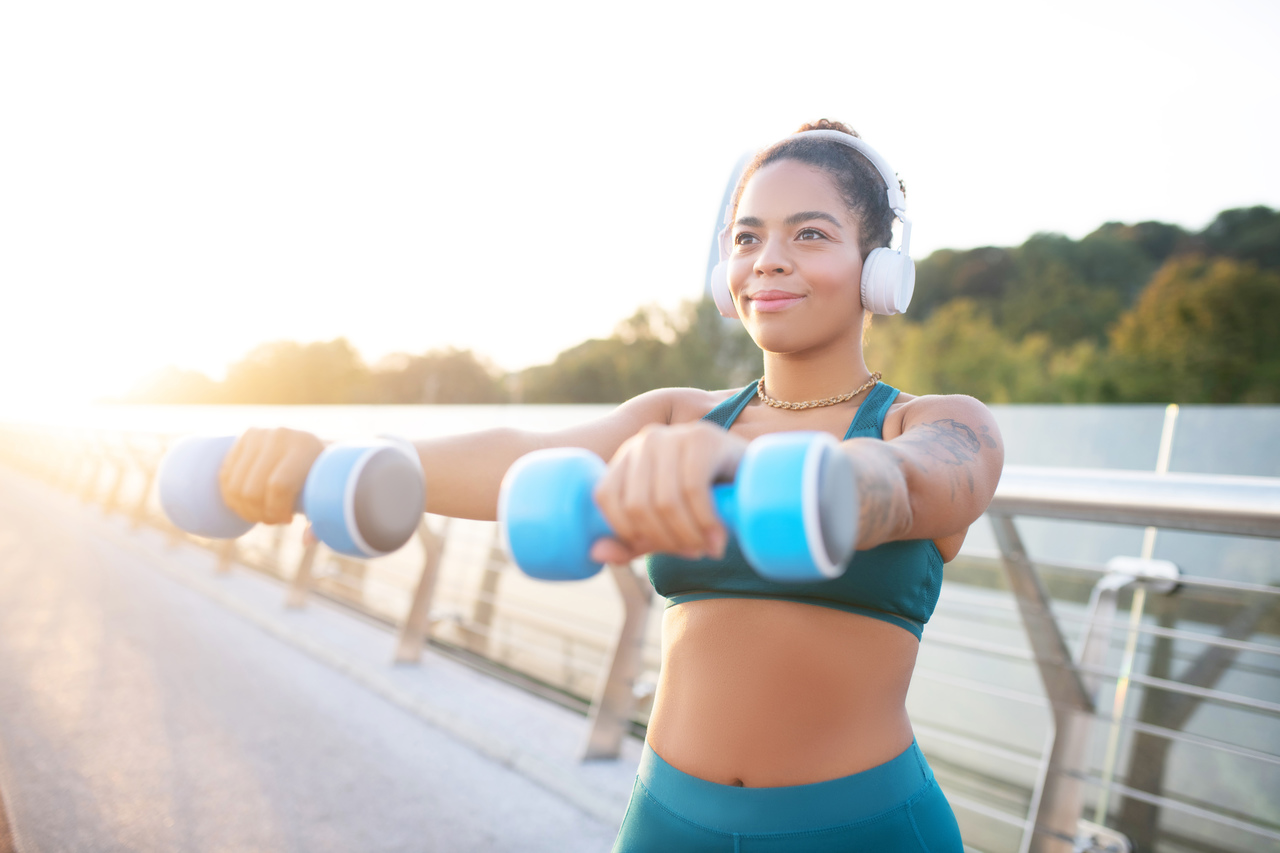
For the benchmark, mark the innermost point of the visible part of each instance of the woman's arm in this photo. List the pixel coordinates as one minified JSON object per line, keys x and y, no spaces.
{"x":931,"y":482}
{"x":266,"y":468}
{"x":464,"y":472}
{"x":934,"y":479}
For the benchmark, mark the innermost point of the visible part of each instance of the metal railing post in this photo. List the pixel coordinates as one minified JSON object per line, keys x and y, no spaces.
{"x":226,"y":556}
{"x":139,"y":513}
{"x":615,"y":698}
{"x":477,"y":630}
{"x":417,"y":625}
{"x":112,"y":499}
{"x":89,"y":486}
{"x":301,"y":583}
{"x":1057,"y":817}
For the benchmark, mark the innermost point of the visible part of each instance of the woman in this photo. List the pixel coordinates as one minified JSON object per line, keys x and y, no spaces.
{"x":779,"y":722}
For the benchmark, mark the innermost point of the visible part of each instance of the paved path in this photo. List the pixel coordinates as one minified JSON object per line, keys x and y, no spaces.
{"x":147,"y":704}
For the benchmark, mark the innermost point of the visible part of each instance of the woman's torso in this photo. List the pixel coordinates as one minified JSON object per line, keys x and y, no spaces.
{"x":766,"y":692}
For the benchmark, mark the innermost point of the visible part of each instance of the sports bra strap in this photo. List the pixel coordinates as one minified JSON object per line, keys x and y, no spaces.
{"x":869,"y":421}
{"x":727,"y":412}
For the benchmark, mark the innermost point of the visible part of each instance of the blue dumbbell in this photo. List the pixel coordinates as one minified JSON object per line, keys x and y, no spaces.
{"x":792,"y":507}
{"x":362,"y":499}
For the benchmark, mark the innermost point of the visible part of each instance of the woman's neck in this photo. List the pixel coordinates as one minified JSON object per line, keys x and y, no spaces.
{"x":798,"y":377}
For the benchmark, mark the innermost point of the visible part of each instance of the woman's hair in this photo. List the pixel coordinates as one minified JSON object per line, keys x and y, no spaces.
{"x":858,"y":181}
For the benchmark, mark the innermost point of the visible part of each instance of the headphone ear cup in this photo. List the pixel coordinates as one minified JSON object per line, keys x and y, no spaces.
{"x":888,"y":281}
{"x":720,"y":290}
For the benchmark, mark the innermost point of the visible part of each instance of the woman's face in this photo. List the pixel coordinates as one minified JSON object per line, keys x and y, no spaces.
{"x":795,"y":267}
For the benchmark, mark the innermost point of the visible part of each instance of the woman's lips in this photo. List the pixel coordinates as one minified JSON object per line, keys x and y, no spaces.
{"x":773,"y":300}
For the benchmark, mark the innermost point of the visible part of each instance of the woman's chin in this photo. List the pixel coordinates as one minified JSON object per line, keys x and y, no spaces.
{"x":795,"y":339}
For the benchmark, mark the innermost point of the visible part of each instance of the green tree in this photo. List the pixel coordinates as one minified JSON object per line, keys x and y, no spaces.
{"x":1246,"y":234}
{"x":982,"y":275}
{"x":959,"y":350}
{"x":439,"y":376}
{"x":292,"y":373}
{"x":1070,"y":290}
{"x":693,"y":346}
{"x":1204,"y":331}
{"x":713,"y":352}
{"x":1157,"y":241}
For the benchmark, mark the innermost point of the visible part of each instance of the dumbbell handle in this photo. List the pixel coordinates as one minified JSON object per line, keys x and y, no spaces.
{"x":724,"y":495}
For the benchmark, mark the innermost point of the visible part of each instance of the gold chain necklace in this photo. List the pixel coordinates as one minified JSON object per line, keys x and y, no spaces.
{"x":813,"y":404}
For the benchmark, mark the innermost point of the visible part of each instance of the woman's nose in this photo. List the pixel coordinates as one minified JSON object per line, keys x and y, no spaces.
{"x":772,"y":260}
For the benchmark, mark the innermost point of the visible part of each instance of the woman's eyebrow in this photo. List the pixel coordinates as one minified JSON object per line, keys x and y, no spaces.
{"x":792,"y":220}
{"x":806,"y":215}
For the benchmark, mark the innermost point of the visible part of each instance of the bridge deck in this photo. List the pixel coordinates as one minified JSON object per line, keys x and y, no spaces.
{"x":147,"y":703}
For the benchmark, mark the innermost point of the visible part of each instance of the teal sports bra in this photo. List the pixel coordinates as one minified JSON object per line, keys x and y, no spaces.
{"x":897,"y":582}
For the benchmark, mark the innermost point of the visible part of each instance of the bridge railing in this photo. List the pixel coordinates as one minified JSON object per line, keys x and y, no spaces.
{"x":997,"y":651}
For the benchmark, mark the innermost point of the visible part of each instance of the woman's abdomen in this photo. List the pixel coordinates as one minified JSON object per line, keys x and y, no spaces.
{"x":771,"y":693}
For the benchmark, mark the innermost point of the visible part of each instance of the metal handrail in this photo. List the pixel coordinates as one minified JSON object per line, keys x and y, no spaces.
{"x":1096,"y":570}
{"x":1197,"y":740}
{"x":1175,"y":634}
{"x":1179,"y":806}
{"x":1187,"y":689}
{"x":1207,"y":503}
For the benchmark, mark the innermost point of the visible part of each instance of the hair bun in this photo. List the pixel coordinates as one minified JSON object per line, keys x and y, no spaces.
{"x":828,"y":124}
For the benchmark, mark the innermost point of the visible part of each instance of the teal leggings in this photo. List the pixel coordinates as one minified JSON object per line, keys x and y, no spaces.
{"x":896,"y":806}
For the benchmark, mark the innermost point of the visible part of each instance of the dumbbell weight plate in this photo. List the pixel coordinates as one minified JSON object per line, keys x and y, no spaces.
{"x":364,"y":500}
{"x":187,"y":483}
{"x":548,"y":515}
{"x":796,"y":507}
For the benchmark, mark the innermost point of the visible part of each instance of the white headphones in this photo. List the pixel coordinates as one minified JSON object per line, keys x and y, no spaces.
{"x":888,"y":275}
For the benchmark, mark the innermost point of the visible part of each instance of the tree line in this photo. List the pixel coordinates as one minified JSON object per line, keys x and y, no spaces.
{"x":1130,"y":313}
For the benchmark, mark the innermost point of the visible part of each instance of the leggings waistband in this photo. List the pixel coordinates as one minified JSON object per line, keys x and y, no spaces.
{"x":729,"y":808}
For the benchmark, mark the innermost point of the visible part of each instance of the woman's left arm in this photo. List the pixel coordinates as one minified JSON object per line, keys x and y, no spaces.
{"x":934,"y":479}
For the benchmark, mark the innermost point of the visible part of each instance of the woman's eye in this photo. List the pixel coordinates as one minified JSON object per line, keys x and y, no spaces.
{"x":744,"y":239}
{"x":811,"y":234}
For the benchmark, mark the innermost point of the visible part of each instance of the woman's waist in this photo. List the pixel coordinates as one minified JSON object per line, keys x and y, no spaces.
{"x":761,"y":748}
{"x":775,"y":693}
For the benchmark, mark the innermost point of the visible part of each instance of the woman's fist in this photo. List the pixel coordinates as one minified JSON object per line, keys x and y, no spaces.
{"x":264,"y":472}
{"x":656,"y":493}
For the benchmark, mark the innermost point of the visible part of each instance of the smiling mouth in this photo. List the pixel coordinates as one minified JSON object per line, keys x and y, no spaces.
{"x":774,"y":300}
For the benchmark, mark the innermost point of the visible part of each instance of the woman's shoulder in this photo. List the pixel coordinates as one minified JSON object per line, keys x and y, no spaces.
{"x":681,"y":405}
{"x":690,"y":404}
{"x":910,"y":409}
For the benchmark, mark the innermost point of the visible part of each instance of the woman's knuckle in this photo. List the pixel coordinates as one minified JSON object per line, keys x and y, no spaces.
{"x":692,"y":489}
{"x":666,"y":504}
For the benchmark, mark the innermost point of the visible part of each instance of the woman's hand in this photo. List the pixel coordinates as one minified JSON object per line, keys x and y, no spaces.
{"x":264,"y":472}
{"x":656,"y":493}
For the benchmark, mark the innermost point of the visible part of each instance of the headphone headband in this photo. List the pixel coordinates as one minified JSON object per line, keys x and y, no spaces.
{"x":897,"y":201}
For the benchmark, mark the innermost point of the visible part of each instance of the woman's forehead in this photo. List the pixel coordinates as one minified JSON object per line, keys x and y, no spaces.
{"x":783,"y":188}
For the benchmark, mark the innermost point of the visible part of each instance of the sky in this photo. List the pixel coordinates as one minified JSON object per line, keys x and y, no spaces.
{"x":180,"y":182}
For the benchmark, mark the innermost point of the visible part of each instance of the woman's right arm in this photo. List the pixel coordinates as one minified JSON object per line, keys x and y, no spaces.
{"x":265,"y":470}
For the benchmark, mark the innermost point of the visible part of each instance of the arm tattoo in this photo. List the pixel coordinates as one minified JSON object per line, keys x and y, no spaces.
{"x":952,"y":444}
{"x":879,"y":512}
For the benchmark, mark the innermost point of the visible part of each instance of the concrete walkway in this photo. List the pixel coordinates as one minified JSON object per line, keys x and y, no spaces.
{"x":148,"y":704}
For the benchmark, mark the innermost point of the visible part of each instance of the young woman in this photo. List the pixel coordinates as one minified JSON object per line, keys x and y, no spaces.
{"x":779,"y":721}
